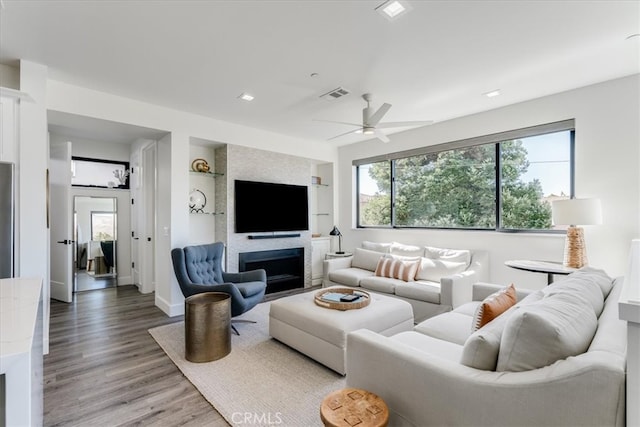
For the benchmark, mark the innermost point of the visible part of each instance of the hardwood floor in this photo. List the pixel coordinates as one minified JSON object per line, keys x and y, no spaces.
{"x":105,"y":369}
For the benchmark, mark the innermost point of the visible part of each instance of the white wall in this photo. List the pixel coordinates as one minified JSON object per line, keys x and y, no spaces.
{"x":607,"y":153}
{"x":101,"y":150}
{"x":32,"y":234}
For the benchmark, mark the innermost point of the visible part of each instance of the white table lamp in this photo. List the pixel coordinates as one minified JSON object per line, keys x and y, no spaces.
{"x":574,"y":212}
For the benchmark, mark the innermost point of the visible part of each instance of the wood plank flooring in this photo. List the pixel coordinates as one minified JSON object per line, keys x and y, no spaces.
{"x":105,"y":369}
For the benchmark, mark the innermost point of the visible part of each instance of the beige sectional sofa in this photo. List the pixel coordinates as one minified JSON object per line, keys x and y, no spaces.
{"x":443,"y":278}
{"x":556,"y":358}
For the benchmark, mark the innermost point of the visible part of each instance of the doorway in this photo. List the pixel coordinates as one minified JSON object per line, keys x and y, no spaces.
{"x":95,"y":225}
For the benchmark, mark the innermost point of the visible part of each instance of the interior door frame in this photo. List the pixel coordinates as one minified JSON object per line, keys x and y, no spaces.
{"x":147,"y":223}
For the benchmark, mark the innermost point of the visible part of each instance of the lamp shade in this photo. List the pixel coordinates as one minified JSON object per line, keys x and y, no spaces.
{"x":577,"y":212}
{"x":335,"y":232}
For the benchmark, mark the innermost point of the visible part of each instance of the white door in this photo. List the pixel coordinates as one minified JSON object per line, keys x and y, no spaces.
{"x":134,"y":183}
{"x":148,"y":223}
{"x":60,"y":211}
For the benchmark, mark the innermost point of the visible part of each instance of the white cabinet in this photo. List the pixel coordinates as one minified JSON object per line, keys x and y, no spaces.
{"x":319,"y":247}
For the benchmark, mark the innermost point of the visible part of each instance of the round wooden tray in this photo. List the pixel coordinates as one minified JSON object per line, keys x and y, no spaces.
{"x":364,"y":300}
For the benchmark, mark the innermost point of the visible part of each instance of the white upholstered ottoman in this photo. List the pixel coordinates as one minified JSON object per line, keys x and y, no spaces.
{"x":321,"y":333}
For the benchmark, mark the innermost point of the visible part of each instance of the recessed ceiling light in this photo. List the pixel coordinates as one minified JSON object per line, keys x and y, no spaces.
{"x":492,"y":93}
{"x":246,"y":97}
{"x":391,"y":9}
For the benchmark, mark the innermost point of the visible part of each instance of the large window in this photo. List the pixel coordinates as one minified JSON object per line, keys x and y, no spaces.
{"x":499,"y":182}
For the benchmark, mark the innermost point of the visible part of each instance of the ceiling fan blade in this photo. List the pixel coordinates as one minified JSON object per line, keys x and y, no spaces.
{"x":346,"y":133}
{"x":381,"y":136}
{"x":342,"y":123}
{"x":403,"y":124}
{"x":377,"y":116}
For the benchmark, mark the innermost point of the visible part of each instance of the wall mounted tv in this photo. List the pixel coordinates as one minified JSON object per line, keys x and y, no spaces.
{"x":266,"y":206}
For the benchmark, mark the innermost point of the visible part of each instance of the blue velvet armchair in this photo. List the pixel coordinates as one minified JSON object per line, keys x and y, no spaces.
{"x":199,"y":269}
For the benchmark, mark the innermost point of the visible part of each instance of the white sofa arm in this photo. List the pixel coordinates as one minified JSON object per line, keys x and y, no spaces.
{"x":329,"y":265}
{"x":423,"y":389}
{"x":457,"y":289}
{"x":481,"y":290}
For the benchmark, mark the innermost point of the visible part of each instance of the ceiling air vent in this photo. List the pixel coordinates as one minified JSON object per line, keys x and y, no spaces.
{"x":335,"y":93}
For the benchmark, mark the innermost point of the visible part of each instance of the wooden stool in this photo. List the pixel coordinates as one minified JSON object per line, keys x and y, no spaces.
{"x":351,"y":407}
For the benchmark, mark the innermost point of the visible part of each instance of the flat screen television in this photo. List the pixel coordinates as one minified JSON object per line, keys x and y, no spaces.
{"x":266,"y":206}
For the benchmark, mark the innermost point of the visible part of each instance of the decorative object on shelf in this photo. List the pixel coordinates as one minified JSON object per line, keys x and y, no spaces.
{"x":336,"y":232}
{"x":121,"y":175}
{"x":315,"y":235}
{"x":574,"y":212}
{"x":316,"y":180}
{"x":197,"y":201}
{"x":342,"y":299}
{"x":200,"y":165}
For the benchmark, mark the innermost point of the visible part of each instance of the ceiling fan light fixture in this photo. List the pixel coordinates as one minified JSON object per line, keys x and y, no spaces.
{"x":368,"y":131}
{"x":391,"y":9}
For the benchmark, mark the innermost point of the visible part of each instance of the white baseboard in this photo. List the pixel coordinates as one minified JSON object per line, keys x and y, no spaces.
{"x":125,"y":280}
{"x":168,"y":309}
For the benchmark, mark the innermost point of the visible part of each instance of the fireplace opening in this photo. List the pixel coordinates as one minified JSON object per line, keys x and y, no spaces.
{"x":284,"y":267}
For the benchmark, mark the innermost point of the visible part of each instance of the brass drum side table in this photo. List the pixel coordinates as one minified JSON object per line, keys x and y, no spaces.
{"x":207,"y":326}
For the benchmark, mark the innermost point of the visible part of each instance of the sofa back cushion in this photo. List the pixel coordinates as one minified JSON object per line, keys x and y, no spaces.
{"x":450,"y":255}
{"x":597,"y":276}
{"x":580,"y":286}
{"x":483,"y":346}
{"x":365,"y":259}
{"x":406,"y":250}
{"x":378,"y":247}
{"x":539,"y":334}
{"x":435,"y":269}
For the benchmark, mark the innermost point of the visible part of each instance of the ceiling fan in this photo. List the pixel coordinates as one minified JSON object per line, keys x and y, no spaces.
{"x":371,"y":122}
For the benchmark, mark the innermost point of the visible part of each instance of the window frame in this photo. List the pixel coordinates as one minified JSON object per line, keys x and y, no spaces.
{"x":496,"y":139}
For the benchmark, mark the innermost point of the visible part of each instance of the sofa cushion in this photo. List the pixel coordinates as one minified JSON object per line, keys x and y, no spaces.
{"x":482,"y":347}
{"x":406,"y":250}
{"x":436,"y":269}
{"x":450,"y":326}
{"x":420,"y":290}
{"x":493,"y":306}
{"x":581,"y":286}
{"x":378,"y":247}
{"x":397,"y":269}
{"x":451,"y":255}
{"x":349,"y":276}
{"x":385,"y":285}
{"x":551,"y":329}
{"x":427,"y":344}
{"x":365,"y":259}
{"x":596,"y":276}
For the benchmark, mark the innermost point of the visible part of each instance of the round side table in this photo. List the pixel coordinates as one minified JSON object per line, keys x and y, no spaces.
{"x":350,"y":407}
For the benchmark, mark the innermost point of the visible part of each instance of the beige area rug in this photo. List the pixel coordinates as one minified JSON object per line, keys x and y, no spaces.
{"x":261,"y":382}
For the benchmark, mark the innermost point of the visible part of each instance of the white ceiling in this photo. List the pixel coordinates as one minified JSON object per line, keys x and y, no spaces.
{"x":433,"y":63}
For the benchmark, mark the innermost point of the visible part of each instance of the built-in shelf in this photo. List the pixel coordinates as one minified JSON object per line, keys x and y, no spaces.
{"x":207,"y":174}
{"x":320,"y":185}
{"x":321,"y":214}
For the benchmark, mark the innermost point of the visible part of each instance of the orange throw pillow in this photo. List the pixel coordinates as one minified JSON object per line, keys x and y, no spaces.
{"x":494,"y":305}
{"x":397,"y":269}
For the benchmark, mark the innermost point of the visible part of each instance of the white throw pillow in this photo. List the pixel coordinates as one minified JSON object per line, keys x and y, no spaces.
{"x":435,"y":269}
{"x":378,"y":247}
{"x":450,"y":255}
{"x":575,"y":285}
{"x":406,"y":250}
{"x":365,"y":259}
{"x":539,"y":334}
